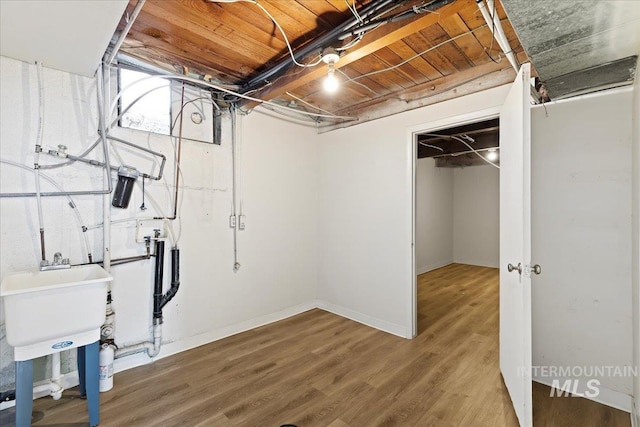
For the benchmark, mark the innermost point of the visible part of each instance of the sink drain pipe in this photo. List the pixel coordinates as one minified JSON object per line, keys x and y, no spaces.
{"x":159,"y":301}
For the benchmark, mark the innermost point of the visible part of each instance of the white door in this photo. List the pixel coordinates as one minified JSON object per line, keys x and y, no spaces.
{"x":515,"y":245}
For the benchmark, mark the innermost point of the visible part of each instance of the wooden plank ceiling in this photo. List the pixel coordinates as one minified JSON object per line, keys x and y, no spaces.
{"x":425,"y":58}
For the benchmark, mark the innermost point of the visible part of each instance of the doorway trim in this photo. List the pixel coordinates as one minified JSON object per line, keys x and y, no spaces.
{"x":412,"y":132}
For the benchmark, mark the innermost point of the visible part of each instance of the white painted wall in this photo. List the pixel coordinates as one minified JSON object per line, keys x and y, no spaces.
{"x":365,"y":230}
{"x":581,"y":236}
{"x":329,"y":216}
{"x":277,"y":250}
{"x":582,"y":313}
{"x":476,"y":213}
{"x":64,"y":34}
{"x":636,"y":241}
{"x":434,"y":216}
{"x":457,"y":216}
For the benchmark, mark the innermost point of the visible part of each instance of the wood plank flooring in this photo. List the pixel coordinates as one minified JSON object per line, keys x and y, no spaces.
{"x":318,"y":369}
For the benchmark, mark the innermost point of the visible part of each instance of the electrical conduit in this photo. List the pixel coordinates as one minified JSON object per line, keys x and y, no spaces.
{"x":234,"y":217}
{"x":498,"y":32}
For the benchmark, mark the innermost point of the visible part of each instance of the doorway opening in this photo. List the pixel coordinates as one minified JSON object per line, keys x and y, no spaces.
{"x":457,"y":224}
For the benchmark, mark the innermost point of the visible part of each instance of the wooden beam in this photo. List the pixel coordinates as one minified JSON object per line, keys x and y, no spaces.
{"x":465,"y":160}
{"x":466,"y":82}
{"x":372,"y":42}
{"x":390,"y":105}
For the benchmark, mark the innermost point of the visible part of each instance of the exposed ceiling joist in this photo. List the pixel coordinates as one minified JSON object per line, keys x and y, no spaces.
{"x":462,"y":161}
{"x":409,"y":61}
{"x":372,"y":42}
{"x":439,"y":90}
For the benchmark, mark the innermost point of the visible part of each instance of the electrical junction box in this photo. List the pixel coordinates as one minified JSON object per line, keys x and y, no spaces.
{"x":148,"y":227}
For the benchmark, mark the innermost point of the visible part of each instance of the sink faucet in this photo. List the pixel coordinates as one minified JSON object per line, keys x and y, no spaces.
{"x":58,"y":263}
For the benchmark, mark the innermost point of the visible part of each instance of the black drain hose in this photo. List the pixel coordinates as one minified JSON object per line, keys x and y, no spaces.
{"x":160,"y":300}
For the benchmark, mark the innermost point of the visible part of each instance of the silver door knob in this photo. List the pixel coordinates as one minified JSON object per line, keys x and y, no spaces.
{"x":536,"y":269}
{"x":517,"y":268}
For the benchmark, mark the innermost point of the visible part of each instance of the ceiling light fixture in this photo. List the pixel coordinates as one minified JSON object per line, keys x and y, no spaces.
{"x":492,"y":155}
{"x":330,"y":57}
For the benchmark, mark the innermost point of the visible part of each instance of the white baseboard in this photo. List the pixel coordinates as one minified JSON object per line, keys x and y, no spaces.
{"x":430,"y":267}
{"x":218,"y":334}
{"x":71,"y":379}
{"x":171,"y":348}
{"x":635,"y":414}
{"x":130,"y":362}
{"x":478,"y":263}
{"x":382,"y":325}
{"x":606,"y":396}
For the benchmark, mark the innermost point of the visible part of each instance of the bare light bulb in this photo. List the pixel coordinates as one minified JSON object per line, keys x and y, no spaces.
{"x":330,"y":57}
{"x":330,"y":83}
{"x":492,"y":155}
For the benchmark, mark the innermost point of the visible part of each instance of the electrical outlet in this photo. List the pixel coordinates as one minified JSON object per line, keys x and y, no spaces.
{"x":232,"y":221}
{"x":241,"y":222}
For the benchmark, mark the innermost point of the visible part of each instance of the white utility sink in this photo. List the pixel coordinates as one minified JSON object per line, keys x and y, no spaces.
{"x":48,"y":311}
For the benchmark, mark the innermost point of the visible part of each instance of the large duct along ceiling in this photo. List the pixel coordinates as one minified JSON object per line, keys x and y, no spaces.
{"x":578,"y":46}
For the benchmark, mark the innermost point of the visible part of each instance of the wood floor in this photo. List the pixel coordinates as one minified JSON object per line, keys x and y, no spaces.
{"x":318,"y":369}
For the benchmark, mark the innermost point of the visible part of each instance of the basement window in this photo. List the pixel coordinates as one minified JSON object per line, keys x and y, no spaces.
{"x":155,"y":105}
{"x":152,"y":112}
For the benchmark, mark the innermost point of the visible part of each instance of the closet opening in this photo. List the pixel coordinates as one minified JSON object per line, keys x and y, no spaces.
{"x":457,"y":232}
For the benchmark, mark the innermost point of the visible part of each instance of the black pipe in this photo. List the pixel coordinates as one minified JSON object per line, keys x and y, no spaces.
{"x":321,"y":42}
{"x":8,"y":395}
{"x":399,"y":17}
{"x":42,"y":251}
{"x":175,"y":277}
{"x":127,"y":260}
{"x":157,"y":287}
{"x":120,"y":261}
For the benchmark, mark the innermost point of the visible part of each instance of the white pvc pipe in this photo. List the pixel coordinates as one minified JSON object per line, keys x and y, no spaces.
{"x":501,"y":38}
{"x":491,"y":7}
{"x":151,"y":347}
{"x":234,"y":124}
{"x":125,"y":31}
{"x":36,"y":159}
{"x":69,"y":199}
{"x":106,"y":200}
{"x":54,"y":387}
{"x":56,"y":377}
